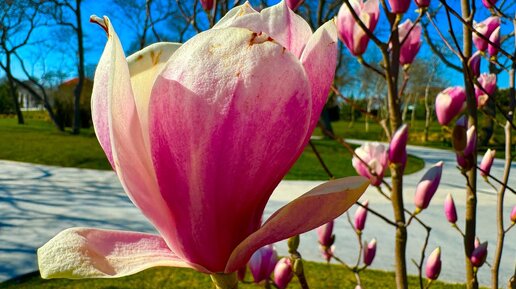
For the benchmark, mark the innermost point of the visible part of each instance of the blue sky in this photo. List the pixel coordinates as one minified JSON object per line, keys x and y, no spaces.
{"x":95,"y":39}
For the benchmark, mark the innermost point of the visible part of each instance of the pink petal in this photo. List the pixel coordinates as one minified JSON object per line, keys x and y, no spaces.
{"x":144,"y":67}
{"x":220,"y":113}
{"x":320,"y":60}
{"x":234,"y":14}
{"x":279,"y":22}
{"x":130,"y":156}
{"x":313,"y":209}
{"x":91,"y":253}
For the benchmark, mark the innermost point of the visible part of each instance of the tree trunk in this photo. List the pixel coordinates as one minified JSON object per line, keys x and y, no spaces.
{"x":12,"y":90}
{"x":78,"y":89}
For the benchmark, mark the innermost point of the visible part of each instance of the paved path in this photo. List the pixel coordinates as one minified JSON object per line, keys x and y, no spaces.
{"x":36,"y":202}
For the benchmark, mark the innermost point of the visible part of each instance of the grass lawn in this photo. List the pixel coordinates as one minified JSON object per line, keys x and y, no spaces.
{"x":39,"y":142}
{"x":319,"y":275}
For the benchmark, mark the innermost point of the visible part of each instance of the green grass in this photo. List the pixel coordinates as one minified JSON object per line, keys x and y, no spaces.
{"x":319,"y":275}
{"x":39,"y":142}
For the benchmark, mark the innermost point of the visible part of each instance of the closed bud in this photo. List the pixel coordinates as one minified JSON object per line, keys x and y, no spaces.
{"x":422,"y":3}
{"x":262,"y":263}
{"x":513,"y":214}
{"x":325,"y":234}
{"x":449,"y":103}
{"x":207,"y":4}
{"x":487,"y":163}
{"x":489,"y":3}
{"x":465,"y":159}
{"x":369,"y":252}
{"x":459,"y":137}
{"x":350,"y":33}
{"x":398,"y":145}
{"x":474,"y":63}
{"x":492,"y":49}
{"x":283,"y":273}
{"x":294,"y":4}
{"x":449,"y":209}
{"x":412,"y":44}
{"x":427,"y":186}
{"x":399,"y":6}
{"x":479,"y":255}
{"x":487,"y":88}
{"x":433,"y":264}
{"x":361,"y":216}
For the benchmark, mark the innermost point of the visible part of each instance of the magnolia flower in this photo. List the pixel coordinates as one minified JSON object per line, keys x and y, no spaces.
{"x":294,"y":4}
{"x":398,"y":145}
{"x":196,"y":135}
{"x":433,"y":264}
{"x":262,"y":263}
{"x":487,"y":162}
{"x":489,"y":3}
{"x":488,"y":84}
{"x":494,"y":38}
{"x":427,"y":186}
{"x":422,"y":3}
{"x":465,"y":158}
{"x":399,"y":6}
{"x":207,"y":4}
{"x":449,"y":209}
{"x":350,"y":32}
{"x":479,"y":255}
{"x":412,"y":42}
{"x":486,"y":28}
{"x":361,"y":216}
{"x":513,"y":215}
{"x":449,"y":103}
{"x":283,"y":273}
{"x":326,"y":239}
{"x":325,"y":234}
{"x":369,"y":252}
{"x":474,"y":63}
{"x":370,"y":161}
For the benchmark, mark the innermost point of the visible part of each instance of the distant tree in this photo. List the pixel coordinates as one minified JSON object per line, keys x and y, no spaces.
{"x":19,"y":22}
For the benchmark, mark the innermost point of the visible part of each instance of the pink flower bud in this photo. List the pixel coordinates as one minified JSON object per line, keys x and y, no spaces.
{"x":398,"y":145}
{"x":325,"y":234}
{"x":485,"y":28}
{"x":327,"y":252}
{"x":410,"y":47}
{"x":422,"y":3}
{"x":474,"y":63}
{"x":207,"y":4}
{"x":449,"y":103}
{"x":449,"y":209}
{"x":350,"y":32}
{"x":487,"y":162}
{"x":489,"y":3}
{"x":479,"y":255}
{"x":488,"y":83}
{"x":427,"y":186}
{"x":361,"y":216}
{"x":262,"y":263}
{"x":495,"y":39}
{"x":513,"y":214}
{"x":433,"y":264}
{"x":283,"y":273}
{"x":476,"y":243}
{"x":399,"y":6}
{"x":459,"y":135}
{"x":294,"y":4}
{"x":465,"y":158}
{"x":375,"y":157}
{"x":369,"y":252}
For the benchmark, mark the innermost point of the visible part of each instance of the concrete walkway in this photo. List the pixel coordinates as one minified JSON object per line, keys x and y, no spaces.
{"x":36,"y":202}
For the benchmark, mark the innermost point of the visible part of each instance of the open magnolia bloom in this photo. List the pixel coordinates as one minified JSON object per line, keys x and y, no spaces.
{"x":200,"y":134}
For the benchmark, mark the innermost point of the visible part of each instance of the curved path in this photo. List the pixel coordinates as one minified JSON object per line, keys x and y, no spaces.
{"x":36,"y":202}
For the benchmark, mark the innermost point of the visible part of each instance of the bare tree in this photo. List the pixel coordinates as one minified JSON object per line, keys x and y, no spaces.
{"x":20,"y":20}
